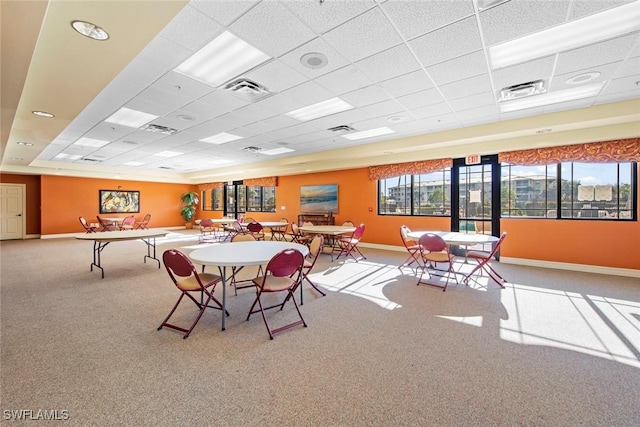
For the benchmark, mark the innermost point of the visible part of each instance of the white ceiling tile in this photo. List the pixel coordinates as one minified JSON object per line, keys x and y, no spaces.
{"x":270,"y":27}
{"x":388,"y":64}
{"x":225,"y":12}
{"x":431,"y":110}
{"x":406,"y":84}
{"x":540,"y":69}
{"x":334,"y":59}
{"x":384,"y":108}
{"x":344,"y":80}
{"x":191,"y":29}
{"x":458,"y":68}
{"x":307,"y":94}
{"x":356,"y":40}
{"x":420,"y":99}
{"x":630,"y":67}
{"x":449,"y":42}
{"x":416,"y":17}
{"x":581,"y":8}
{"x":623,"y":84}
{"x":276,"y":76}
{"x":559,"y":82}
{"x":473,"y":101}
{"x":466,"y":87}
{"x":365,"y":96}
{"x":517,"y":18}
{"x":322,"y":17}
{"x":596,"y":54}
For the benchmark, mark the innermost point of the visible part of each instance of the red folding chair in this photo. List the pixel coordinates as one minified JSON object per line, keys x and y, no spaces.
{"x":184,"y":275}
{"x":411,"y":246}
{"x":483,"y":258}
{"x":434,"y":251}
{"x":87,"y":227}
{"x":349,"y":245}
{"x":282,"y":274}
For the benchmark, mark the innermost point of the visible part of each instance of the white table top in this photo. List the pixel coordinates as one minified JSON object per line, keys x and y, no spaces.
{"x":268,"y":224}
{"x":327,"y":229}
{"x":113,"y":218}
{"x":242,"y":253}
{"x":457,"y":238}
{"x":218,"y":220}
{"x":113,"y":236}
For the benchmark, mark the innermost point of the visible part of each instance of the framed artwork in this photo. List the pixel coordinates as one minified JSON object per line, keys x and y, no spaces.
{"x":119,"y":201}
{"x":319,"y":198}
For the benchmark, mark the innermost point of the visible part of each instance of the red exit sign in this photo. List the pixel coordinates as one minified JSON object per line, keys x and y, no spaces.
{"x":472,"y":159}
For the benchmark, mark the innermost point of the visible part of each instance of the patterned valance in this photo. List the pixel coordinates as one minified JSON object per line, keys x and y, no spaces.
{"x":210,"y":186}
{"x":270,"y":181}
{"x":409,"y":168}
{"x":624,"y":150}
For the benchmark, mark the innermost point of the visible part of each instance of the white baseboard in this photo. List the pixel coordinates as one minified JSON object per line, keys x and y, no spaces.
{"x":598,"y":269}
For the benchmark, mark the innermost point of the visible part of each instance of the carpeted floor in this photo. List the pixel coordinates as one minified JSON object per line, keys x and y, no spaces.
{"x":554,"y":348}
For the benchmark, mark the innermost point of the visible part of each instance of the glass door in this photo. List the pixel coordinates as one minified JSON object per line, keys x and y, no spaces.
{"x":476,"y":192}
{"x":235,"y":202}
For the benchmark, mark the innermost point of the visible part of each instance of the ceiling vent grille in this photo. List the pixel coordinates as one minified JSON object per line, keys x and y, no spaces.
{"x":342,"y":128}
{"x":159,"y":129}
{"x":165,"y":167}
{"x":248,"y":89}
{"x":90,"y":160}
{"x":522,"y":90}
{"x":252,"y":149}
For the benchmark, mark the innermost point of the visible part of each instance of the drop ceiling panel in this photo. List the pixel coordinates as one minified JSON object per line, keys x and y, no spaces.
{"x":391,"y":63}
{"x":407,"y":83}
{"x":581,"y":8}
{"x":307,"y":94}
{"x":458,"y":69}
{"x":322,"y":17}
{"x":596,"y":54}
{"x":276,"y":76}
{"x":366,"y":96}
{"x":420,"y":99}
{"x":344,"y":80}
{"x":466,"y":87}
{"x":452,"y":41}
{"x":414,"y":18}
{"x":540,"y":69}
{"x":224,"y":12}
{"x":192,"y":29}
{"x":334,"y":59}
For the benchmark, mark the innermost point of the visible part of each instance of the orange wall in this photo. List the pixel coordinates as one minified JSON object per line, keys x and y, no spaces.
{"x":64,"y":199}
{"x":600,"y":243}
{"x":32,"y":198}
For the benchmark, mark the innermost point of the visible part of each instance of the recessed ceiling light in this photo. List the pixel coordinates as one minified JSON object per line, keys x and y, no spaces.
{"x":90,"y":142}
{"x":368,"y":133}
{"x":221,"y":138}
{"x":186,"y":117}
{"x":90,"y":30}
{"x":222,"y":59}
{"x":314,"y":60}
{"x":220,"y":161}
{"x":583,"y":78}
{"x":168,"y":154}
{"x":275,"y":151}
{"x":320,"y":109}
{"x":396,"y":119}
{"x":26,"y":144}
{"x":548,"y":98}
{"x":571,"y":35}
{"x":131,"y":118}
{"x":133,"y":164}
{"x":43,"y":114}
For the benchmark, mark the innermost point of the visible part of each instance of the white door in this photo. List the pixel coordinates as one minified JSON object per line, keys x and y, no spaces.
{"x":11,"y":211}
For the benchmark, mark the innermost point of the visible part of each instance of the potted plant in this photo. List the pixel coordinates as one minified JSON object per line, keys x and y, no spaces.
{"x":189,"y":202}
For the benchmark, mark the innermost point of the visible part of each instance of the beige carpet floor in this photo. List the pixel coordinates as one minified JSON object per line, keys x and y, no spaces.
{"x":554,"y":348}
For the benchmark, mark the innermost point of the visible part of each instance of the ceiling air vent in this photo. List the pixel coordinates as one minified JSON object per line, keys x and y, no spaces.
{"x":343,"y":128}
{"x":248,"y":89}
{"x":90,"y":160}
{"x":252,"y":149}
{"x":522,"y":90}
{"x":159,"y":129}
{"x":165,"y":167}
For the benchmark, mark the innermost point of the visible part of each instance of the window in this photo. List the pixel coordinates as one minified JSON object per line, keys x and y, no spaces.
{"x":249,"y":199}
{"x":213,"y":200}
{"x":425,"y":194}
{"x":582,"y":190}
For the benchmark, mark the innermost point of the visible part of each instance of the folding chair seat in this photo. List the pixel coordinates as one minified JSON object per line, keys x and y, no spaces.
{"x":433,"y":251}
{"x":482,"y":259}
{"x":185,"y":277}
{"x":89,"y":228}
{"x":282,"y":274}
{"x":411,"y":246}
{"x":297,"y":236}
{"x":349,"y":245}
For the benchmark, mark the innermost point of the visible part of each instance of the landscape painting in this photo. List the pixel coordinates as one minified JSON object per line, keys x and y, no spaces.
{"x":319,"y":198}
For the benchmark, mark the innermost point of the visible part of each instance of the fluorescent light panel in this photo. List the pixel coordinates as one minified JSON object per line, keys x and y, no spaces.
{"x":68,"y":156}
{"x":320,"y":109}
{"x":131,"y":118}
{"x":368,"y":133}
{"x":168,"y":154}
{"x":220,"y":60}
{"x":580,"y":32}
{"x":551,"y":98}
{"x":221,"y":138}
{"x":133,"y":164}
{"x":220,"y":161}
{"x":275,"y":151}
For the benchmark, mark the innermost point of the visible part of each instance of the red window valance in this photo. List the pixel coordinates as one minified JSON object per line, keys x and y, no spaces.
{"x":210,"y":186}
{"x":623,"y":150}
{"x":271,"y":181}
{"x":409,"y":168}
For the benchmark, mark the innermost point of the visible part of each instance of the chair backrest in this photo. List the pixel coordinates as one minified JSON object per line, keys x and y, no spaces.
{"x":243,"y":237}
{"x":248,"y":220}
{"x":348,"y":224}
{"x":432,"y":243}
{"x":179,"y":266}
{"x":285,"y":263}
{"x":207,"y":222}
{"x":404,"y":235}
{"x":496,"y":247}
{"x":128,"y":222}
{"x":237,"y":227}
{"x":316,"y":245}
{"x":284,"y":220}
{"x":254,"y":227}
{"x":85,"y":225}
{"x":145,"y":221}
{"x":357,"y":234}
{"x":307,"y":224}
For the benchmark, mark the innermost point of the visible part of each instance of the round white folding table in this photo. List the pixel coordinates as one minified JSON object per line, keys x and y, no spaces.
{"x":240,"y":254}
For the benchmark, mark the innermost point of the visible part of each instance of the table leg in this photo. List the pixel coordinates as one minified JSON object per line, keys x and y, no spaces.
{"x":97,"y":249}
{"x":223,"y":274}
{"x":151,"y":243}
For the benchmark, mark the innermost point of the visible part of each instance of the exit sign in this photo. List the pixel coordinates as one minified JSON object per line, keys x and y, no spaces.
{"x":472,"y":159}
